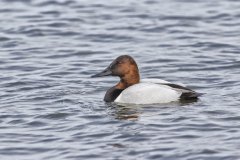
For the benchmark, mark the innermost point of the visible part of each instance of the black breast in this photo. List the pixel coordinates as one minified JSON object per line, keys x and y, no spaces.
{"x":112,"y":94}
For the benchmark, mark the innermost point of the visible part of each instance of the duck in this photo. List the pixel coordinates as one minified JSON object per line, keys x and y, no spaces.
{"x":133,"y":90}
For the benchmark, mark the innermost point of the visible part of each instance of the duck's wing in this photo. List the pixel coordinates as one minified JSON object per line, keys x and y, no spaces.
{"x":187,"y":94}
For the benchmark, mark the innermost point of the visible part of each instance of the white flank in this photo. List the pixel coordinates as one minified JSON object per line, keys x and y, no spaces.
{"x":148,"y":93}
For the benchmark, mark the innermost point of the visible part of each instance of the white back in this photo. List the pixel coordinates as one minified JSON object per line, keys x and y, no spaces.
{"x":158,"y":81}
{"x":153,"y":80}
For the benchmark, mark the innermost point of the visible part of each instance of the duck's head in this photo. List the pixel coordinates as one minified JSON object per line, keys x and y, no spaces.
{"x":121,"y":66}
{"x":124,"y":67}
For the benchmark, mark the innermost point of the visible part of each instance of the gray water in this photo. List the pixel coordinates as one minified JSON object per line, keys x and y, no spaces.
{"x":50,"y":108}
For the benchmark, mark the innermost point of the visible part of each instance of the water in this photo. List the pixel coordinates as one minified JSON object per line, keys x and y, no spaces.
{"x":51,"y":109}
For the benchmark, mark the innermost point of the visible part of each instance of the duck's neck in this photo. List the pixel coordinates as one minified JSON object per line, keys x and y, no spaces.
{"x":128,"y":80}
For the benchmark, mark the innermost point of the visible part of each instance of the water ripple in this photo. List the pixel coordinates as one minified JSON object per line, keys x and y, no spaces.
{"x":52,"y":109}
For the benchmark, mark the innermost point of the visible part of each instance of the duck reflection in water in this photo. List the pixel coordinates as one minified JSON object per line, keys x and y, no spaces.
{"x":133,"y":111}
{"x":125,"y":111}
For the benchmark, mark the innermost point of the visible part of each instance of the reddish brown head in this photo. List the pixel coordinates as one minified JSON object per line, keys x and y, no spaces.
{"x":124,"y":67}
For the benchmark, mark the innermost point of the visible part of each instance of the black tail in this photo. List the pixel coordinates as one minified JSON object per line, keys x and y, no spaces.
{"x":190,"y":95}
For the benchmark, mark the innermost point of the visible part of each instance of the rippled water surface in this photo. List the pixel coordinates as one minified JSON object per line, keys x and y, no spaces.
{"x":50,"y":108}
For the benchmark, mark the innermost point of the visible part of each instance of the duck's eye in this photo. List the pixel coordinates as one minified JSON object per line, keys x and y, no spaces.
{"x":119,"y":62}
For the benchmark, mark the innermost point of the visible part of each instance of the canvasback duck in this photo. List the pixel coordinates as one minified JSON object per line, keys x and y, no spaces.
{"x":132,"y":90}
